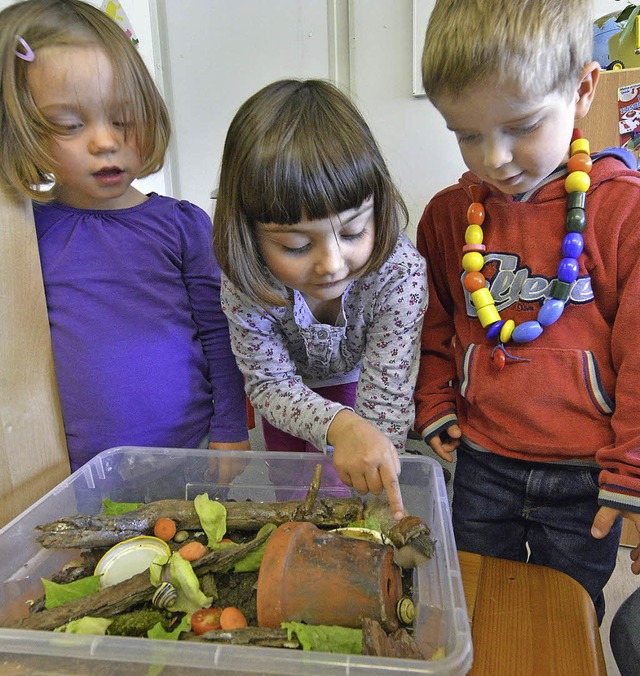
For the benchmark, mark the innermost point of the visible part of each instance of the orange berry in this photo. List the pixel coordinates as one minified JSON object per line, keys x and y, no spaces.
{"x":232,"y":618}
{"x":192,"y":551}
{"x":165,"y":528}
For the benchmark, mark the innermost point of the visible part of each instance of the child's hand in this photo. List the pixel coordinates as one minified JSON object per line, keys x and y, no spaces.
{"x":225,"y":471}
{"x":443,"y":445}
{"x":365,"y":458}
{"x":635,"y":557}
{"x":602,"y":524}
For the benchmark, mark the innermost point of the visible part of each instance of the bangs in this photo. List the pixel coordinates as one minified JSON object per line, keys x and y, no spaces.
{"x":290,"y":187}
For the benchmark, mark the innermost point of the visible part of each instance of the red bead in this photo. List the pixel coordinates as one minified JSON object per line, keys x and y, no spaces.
{"x":475,"y":214}
{"x":499,"y":359}
{"x":577,"y":133}
{"x":579,"y":162}
{"x":473,"y":281}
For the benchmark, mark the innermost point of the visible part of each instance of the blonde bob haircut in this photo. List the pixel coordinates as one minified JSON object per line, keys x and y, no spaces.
{"x":537,"y":47}
{"x":25,"y":161}
{"x":297,"y":149}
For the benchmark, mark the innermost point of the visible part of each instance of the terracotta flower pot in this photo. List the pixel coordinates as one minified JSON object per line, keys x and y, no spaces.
{"x":310,"y":575}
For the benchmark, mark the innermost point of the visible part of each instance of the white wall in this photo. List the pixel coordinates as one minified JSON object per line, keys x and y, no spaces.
{"x":216,"y":54}
{"x":422,"y":154}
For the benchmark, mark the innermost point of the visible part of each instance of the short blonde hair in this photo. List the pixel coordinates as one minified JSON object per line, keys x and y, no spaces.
{"x":538,"y":46}
{"x":297,"y":149}
{"x":25,"y":161}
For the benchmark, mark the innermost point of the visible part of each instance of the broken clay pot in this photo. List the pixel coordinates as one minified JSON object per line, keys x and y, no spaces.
{"x":314,"y":576}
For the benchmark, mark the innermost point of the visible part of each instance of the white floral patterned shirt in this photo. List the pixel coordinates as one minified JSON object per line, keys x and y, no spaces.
{"x":284,"y":351}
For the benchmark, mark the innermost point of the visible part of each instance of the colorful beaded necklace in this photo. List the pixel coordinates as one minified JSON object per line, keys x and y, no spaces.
{"x":576,"y":185}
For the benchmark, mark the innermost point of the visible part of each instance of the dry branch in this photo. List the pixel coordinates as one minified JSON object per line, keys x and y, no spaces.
{"x":86,"y":531}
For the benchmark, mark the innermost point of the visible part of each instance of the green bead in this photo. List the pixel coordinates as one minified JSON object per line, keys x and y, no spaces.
{"x":576,"y":200}
{"x":560,"y":290}
{"x":576,"y":220}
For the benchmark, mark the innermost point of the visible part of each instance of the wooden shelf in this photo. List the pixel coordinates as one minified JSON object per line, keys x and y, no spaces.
{"x":600,"y":126}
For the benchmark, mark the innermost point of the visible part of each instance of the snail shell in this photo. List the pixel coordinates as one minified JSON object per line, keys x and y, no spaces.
{"x":408,"y":528}
{"x":164,"y":596}
{"x":405,"y":610}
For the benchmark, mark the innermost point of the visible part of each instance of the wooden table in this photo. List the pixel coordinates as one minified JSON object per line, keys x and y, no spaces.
{"x":528,"y":619}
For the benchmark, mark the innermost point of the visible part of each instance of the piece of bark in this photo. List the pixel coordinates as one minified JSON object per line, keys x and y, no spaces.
{"x":82,"y":530}
{"x":119,"y":597}
{"x":377,"y":642}
{"x":256,"y":636}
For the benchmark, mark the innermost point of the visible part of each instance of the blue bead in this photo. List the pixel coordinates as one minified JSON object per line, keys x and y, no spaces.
{"x":550,"y":311}
{"x":572,"y":245}
{"x":526,"y":331}
{"x":568,"y":270}
{"x":494,"y":330}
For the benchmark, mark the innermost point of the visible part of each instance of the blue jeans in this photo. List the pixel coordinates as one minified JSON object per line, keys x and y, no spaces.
{"x":502,"y":505}
{"x":624,"y":636}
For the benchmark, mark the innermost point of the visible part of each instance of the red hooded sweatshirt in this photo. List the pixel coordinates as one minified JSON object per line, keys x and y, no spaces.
{"x":575,"y":397}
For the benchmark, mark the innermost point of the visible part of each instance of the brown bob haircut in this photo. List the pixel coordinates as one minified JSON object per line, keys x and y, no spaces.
{"x":297,"y":149}
{"x":25,"y":162}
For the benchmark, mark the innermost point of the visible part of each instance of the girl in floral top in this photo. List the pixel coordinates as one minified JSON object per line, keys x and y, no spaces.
{"x":323,"y":293}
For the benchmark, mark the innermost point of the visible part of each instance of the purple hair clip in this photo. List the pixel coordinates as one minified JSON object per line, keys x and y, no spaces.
{"x":28,"y":54}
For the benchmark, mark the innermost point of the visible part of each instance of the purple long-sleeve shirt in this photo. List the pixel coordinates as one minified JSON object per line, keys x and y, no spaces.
{"x":140,"y":342}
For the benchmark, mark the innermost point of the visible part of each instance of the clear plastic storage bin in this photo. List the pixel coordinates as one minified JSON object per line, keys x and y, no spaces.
{"x":132,"y":474}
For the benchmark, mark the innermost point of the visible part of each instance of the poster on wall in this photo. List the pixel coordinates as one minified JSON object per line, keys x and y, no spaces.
{"x":629,"y":116}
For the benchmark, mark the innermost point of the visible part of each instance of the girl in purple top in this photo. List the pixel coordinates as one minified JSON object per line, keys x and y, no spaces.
{"x":324,"y":295}
{"x":140,"y":342}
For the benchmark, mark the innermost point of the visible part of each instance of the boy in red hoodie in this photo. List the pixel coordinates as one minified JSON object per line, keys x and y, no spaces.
{"x":530,"y":366}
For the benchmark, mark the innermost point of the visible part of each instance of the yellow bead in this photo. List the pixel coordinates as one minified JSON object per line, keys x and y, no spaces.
{"x":473,"y":261}
{"x":481,"y":298}
{"x":507,"y":330}
{"x":580,"y":145}
{"x":488,"y":315}
{"x":473,"y":235}
{"x":577,"y":181}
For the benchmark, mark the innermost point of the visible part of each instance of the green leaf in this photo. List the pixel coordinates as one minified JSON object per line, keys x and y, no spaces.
{"x":252,"y":560}
{"x":87,"y":625}
{"x":59,"y":594}
{"x":159,"y":632}
{"x":322,"y":638}
{"x":155,"y":569}
{"x":190,"y":597}
{"x":111,"y":507}
{"x":625,"y":13}
{"x":371,"y":522}
{"x":213,"y":517}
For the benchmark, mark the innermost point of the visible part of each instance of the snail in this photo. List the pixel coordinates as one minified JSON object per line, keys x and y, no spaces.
{"x":164,"y":596}
{"x":405,"y":610}
{"x":412,"y":540}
